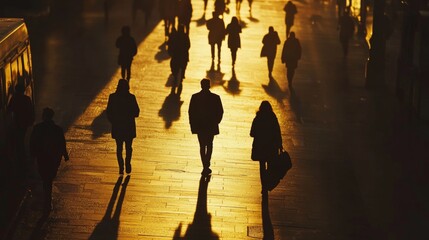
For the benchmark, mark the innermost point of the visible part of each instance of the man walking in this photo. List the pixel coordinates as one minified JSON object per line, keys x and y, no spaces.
{"x":216,"y":27}
{"x":122,"y":109}
{"x":290,"y":55}
{"x":48,"y":146}
{"x":127,"y":50}
{"x":205,"y":114}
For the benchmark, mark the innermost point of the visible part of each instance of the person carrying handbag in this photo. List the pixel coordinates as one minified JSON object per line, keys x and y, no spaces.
{"x":267,"y":140}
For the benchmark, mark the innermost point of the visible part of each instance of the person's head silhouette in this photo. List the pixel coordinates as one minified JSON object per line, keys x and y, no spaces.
{"x":123,"y":86}
{"x":125,"y":30}
{"x":234,"y":20}
{"x":265,"y":107}
{"x":47,"y":114}
{"x":205,"y":84}
{"x":271,"y":29}
{"x":292,"y":34}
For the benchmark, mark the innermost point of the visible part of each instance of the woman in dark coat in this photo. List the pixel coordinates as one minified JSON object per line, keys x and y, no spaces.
{"x":185,"y":14}
{"x":122,"y":109}
{"x":267,"y":139}
{"x":290,"y":55}
{"x":269,"y":49}
{"x":234,"y":43}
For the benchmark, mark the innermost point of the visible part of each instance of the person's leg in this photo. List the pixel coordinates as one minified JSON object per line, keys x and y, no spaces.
{"x":263,"y":175}
{"x":212,"y":49}
{"x":47,"y":195}
{"x":290,"y":74}
{"x":233,"y":55}
{"x":119,"y":147}
{"x":270,"y":62}
{"x":206,"y":148}
{"x":128,"y":71}
{"x":219,"y":46}
{"x":123,"y":71}
{"x":128,"y":154}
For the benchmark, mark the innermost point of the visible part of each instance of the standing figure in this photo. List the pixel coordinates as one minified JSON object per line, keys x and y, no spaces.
{"x":216,"y":27}
{"x":185,"y":14}
{"x":233,"y":30}
{"x":21,"y":107}
{"x":238,"y":6}
{"x":250,"y":7}
{"x":122,"y":109}
{"x":269,"y":48}
{"x":347,"y":28}
{"x":267,"y":140}
{"x":205,"y":114}
{"x":220,"y":7}
{"x":290,"y":10}
{"x":290,"y":55}
{"x":48,"y":146}
{"x":178,"y":48}
{"x":127,"y":50}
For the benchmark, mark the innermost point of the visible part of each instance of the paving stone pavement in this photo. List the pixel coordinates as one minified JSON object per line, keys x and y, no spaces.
{"x":328,"y":194}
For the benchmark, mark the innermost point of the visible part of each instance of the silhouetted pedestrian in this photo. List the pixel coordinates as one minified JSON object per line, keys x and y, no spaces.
{"x":290,"y":55}
{"x":22,"y":110}
{"x":178,"y":48}
{"x":219,"y":7}
{"x":146,"y":6}
{"x":185,"y":14}
{"x":269,"y":48}
{"x":290,"y":10}
{"x":127,"y":50}
{"x":205,"y":114}
{"x":233,"y":30}
{"x":216,"y":27}
{"x":347,"y":28}
{"x":48,"y":146}
{"x":267,"y":139}
{"x":122,"y":109}
{"x":250,"y":7}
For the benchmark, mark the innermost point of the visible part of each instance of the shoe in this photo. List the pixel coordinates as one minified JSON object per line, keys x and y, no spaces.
{"x":128,"y":168}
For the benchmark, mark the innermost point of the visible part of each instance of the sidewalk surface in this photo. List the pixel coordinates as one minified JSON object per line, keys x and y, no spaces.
{"x":348,"y":178}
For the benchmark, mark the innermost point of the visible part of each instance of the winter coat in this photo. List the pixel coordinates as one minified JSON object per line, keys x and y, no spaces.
{"x":216,"y":28}
{"x":291,"y":52}
{"x":233,"y":32}
{"x":270,"y":41}
{"x":127,"y":49}
{"x":266,"y":135}
{"x":205,"y":113}
{"x":122,"y":109}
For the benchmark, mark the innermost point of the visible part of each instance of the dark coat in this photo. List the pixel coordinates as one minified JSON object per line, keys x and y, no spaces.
{"x":347,"y":28}
{"x":216,"y":27}
{"x":185,"y":12}
{"x":233,"y":32}
{"x":48,"y":146}
{"x":291,"y":52}
{"x":122,"y":109}
{"x":266,"y":135}
{"x":178,"y":49}
{"x":127,"y":49}
{"x":22,"y":108}
{"x":205,"y":113}
{"x":270,"y":41}
{"x":290,"y":10}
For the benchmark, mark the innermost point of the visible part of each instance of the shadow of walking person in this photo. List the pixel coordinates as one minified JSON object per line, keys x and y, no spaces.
{"x":215,"y":75}
{"x":233,"y":85}
{"x":170,"y":110}
{"x":295,"y":105}
{"x":273,"y":89}
{"x":107,"y":228}
{"x":267,"y":226}
{"x":201,"y":227}
{"x":100,"y":125}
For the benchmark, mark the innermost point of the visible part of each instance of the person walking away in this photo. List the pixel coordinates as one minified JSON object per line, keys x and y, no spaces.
{"x":205,"y":114}
{"x":267,"y":140}
{"x":220,"y":7}
{"x":290,"y":55}
{"x":290,"y":10}
{"x":22,"y":110}
{"x":48,"y":146}
{"x":347,"y":28}
{"x":122,"y":109}
{"x":127,"y":50}
{"x":178,"y":48}
{"x":216,"y":27}
{"x":269,"y":48}
{"x":233,"y":31}
{"x":185,"y":14}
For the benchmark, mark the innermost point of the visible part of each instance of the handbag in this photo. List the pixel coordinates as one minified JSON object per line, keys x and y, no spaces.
{"x":264,"y":51}
{"x":278,"y":168}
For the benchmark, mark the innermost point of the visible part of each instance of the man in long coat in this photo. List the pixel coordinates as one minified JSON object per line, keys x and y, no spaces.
{"x":290,"y":55}
{"x":216,"y":27}
{"x":122,"y":109}
{"x":127,"y":50}
{"x":48,"y":146}
{"x":205,"y":114}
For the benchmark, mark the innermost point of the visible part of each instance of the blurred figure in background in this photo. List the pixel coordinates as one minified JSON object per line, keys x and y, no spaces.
{"x":185,"y":14}
{"x":234,"y":43}
{"x":216,"y":27}
{"x":347,"y":29}
{"x":290,"y":10}
{"x":290,"y":55}
{"x":269,"y":48}
{"x":127,"y":50}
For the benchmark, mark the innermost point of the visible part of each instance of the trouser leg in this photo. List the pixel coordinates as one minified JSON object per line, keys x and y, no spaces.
{"x":128,"y":154}
{"x":47,"y":192}
{"x":119,"y":147}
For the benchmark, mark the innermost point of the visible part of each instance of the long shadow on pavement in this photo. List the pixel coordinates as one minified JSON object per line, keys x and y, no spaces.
{"x":201,"y":227}
{"x":107,"y":228}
